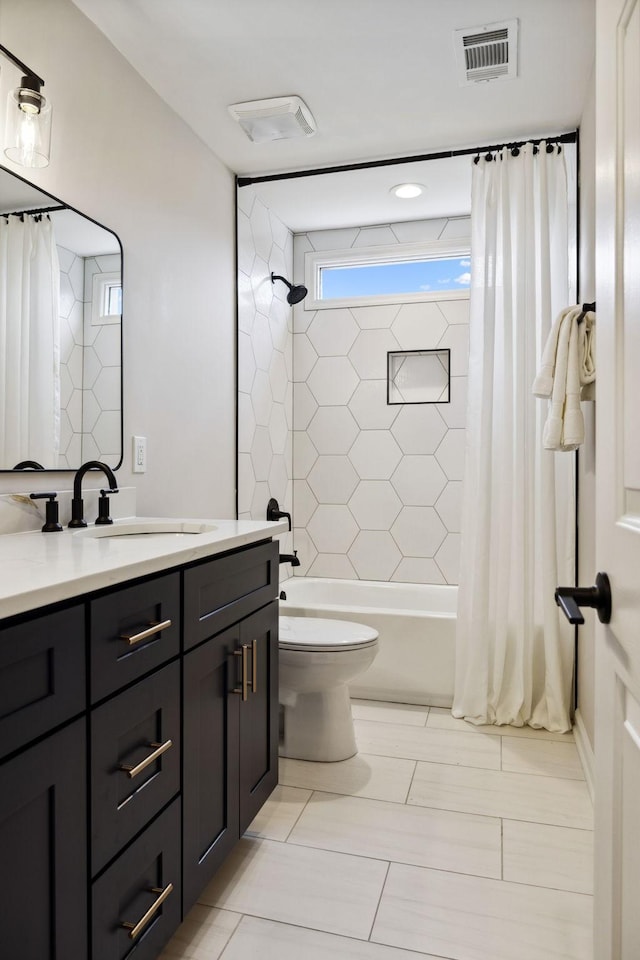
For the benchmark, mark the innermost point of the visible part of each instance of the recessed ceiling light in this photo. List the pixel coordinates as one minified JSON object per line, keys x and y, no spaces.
{"x":407,"y":191}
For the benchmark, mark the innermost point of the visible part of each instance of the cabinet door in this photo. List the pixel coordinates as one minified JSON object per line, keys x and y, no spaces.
{"x":210,"y":764}
{"x":43,"y":882}
{"x":259,"y":713}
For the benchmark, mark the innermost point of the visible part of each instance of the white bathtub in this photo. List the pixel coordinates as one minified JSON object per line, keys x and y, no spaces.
{"x":416,"y":623}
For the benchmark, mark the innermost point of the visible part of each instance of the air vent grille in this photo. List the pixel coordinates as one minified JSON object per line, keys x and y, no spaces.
{"x":304,"y":125}
{"x":487,"y":53}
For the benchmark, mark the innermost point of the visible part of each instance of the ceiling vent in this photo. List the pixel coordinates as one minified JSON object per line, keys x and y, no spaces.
{"x":281,"y":118}
{"x":487,"y":53}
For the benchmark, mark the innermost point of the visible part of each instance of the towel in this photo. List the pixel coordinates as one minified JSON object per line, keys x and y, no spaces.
{"x":567,"y":375}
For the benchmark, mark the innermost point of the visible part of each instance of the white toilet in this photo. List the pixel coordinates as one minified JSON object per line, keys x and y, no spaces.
{"x":318,"y":658}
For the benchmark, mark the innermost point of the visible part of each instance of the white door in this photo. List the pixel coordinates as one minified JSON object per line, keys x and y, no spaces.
{"x":617,"y":733}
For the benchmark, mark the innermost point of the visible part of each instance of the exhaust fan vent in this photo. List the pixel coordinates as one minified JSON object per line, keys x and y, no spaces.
{"x":487,"y":53}
{"x":281,"y":118}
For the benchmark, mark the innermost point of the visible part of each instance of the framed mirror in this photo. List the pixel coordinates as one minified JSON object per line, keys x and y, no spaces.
{"x":60,"y":333}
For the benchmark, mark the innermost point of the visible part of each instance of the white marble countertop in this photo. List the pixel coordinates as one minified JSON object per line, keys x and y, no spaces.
{"x":37,"y":568}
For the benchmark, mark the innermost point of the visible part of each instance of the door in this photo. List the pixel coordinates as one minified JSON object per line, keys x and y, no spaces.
{"x":617,"y":733}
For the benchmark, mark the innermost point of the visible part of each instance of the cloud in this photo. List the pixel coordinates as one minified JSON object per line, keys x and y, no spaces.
{"x":464,"y":279}
{"x":446,"y":280}
{"x":465,"y":263}
{"x":425,"y":286}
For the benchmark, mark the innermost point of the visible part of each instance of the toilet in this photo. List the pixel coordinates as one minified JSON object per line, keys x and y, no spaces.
{"x":318,"y":658}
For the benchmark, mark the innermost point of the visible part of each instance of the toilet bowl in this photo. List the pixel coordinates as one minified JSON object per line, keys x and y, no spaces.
{"x":318,"y":658}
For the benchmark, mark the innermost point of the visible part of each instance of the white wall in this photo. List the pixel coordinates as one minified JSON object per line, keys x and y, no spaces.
{"x":587,"y":478}
{"x":377,"y":489}
{"x":121,"y":156}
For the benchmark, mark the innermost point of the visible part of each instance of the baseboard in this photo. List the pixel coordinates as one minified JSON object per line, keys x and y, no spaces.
{"x":585,"y":752}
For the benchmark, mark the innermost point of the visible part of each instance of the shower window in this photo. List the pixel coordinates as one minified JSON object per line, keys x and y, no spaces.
{"x":436,"y":271}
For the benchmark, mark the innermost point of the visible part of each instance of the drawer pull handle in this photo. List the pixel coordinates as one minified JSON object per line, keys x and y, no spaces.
{"x":135,"y":929}
{"x":254,"y":666}
{"x":133,"y":771}
{"x":243,"y":690}
{"x":154,"y":627}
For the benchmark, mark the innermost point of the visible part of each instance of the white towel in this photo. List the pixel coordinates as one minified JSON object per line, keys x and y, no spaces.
{"x":566,"y":373}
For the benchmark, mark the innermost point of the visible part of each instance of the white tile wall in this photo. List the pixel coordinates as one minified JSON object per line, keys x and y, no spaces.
{"x":401,"y":499}
{"x":265,"y":366}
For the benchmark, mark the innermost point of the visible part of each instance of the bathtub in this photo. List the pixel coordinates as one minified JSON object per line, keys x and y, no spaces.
{"x":416,"y":624}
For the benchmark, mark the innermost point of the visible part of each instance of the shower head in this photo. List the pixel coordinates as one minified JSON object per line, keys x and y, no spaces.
{"x":296,"y":292}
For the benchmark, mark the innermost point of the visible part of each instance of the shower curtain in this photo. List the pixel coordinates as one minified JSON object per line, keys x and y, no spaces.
{"x":514,"y":655}
{"x":29,"y":341}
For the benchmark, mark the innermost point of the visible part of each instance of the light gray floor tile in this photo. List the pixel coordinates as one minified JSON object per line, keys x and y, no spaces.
{"x":278,"y":941}
{"x":545,"y":758}
{"x":389,"y":831}
{"x":470,"y":918}
{"x":495,"y":793}
{"x":279,"y":814}
{"x":547,"y":856}
{"x":389,"y":712}
{"x":203,"y":934}
{"x":437,"y":746}
{"x":380,"y":778}
{"x":311,"y":888}
{"x":442,"y":719}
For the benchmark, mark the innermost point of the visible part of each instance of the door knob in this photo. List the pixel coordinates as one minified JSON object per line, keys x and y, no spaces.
{"x":570,"y":599}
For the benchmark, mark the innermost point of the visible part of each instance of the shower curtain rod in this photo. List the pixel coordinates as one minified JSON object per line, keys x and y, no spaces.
{"x":443,"y":155}
{"x":34,"y":212}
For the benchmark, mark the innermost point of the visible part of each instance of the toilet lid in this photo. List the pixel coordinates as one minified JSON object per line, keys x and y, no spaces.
{"x":316,"y":633}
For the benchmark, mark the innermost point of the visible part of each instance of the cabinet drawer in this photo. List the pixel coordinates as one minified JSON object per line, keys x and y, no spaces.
{"x":124,"y":645}
{"x":135,"y":760}
{"x":222,"y":591}
{"x":128,"y":891}
{"x":42,"y":676}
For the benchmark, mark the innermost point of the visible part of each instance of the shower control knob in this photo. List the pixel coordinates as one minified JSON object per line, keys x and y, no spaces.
{"x":570,"y":599}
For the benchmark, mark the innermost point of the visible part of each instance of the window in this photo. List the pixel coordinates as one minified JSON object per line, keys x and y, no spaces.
{"x":436,"y":271}
{"x":106,"y":305}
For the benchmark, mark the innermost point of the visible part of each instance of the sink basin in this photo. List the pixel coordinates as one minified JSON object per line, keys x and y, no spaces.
{"x":145,"y":528}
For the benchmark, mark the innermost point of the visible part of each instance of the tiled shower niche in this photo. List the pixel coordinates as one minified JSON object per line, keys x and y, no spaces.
{"x":418,"y":376}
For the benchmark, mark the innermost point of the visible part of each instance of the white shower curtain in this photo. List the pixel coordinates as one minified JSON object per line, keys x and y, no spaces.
{"x":514,"y":655}
{"x":29,"y":342}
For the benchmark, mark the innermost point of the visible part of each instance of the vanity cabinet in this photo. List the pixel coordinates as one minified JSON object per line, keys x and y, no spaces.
{"x":138,"y":739}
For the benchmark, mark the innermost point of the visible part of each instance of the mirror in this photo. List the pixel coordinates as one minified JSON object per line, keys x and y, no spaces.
{"x":58,"y":412}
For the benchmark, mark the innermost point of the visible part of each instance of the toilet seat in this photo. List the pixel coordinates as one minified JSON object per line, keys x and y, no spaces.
{"x":324,"y":636}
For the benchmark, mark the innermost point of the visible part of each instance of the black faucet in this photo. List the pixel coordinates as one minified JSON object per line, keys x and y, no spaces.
{"x":291,"y":558}
{"x":77,"y":507}
{"x":275,"y":513}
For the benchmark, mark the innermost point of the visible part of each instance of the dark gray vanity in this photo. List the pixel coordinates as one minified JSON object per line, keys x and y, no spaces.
{"x":138,"y":739}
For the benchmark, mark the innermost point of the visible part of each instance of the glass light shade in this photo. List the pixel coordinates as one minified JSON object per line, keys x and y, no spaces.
{"x":28,"y":128}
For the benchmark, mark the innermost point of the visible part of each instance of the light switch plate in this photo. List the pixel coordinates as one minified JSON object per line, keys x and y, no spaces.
{"x":139,"y":454}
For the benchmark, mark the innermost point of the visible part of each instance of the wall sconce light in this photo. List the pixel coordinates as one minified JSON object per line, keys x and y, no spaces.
{"x":28,"y":126}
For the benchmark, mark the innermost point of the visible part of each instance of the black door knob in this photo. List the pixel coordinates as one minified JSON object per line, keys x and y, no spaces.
{"x":570,"y":599}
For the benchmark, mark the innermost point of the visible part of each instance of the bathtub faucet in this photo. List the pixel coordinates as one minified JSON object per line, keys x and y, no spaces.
{"x":291,"y":558}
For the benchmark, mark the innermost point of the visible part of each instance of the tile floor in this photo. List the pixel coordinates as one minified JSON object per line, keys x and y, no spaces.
{"x":438,"y":840}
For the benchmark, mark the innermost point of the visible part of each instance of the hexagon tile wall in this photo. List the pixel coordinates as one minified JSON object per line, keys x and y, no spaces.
{"x":377,"y":488}
{"x":374,"y":489}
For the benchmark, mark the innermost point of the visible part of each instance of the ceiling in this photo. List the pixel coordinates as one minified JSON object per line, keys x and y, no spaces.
{"x":379,"y":76}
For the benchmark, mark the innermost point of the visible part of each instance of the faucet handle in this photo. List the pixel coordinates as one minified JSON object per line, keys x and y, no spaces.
{"x":52,"y":524}
{"x":103,"y":507}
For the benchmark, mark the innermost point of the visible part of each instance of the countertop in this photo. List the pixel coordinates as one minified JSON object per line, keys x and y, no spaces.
{"x":37,"y":568}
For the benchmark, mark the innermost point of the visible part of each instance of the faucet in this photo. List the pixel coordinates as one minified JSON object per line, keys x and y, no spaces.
{"x":291,"y":558}
{"x":77,"y":507}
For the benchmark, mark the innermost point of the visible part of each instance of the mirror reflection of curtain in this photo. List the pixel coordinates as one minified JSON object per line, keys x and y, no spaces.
{"x":29,"y":341}
{"x":514,"y":653}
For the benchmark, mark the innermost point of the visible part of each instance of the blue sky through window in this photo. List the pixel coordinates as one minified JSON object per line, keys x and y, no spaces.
{"x":395,"y":277}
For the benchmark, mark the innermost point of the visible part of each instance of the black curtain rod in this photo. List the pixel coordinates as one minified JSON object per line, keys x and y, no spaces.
{"x":443,"y":155}
{"x":34,"y":212}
